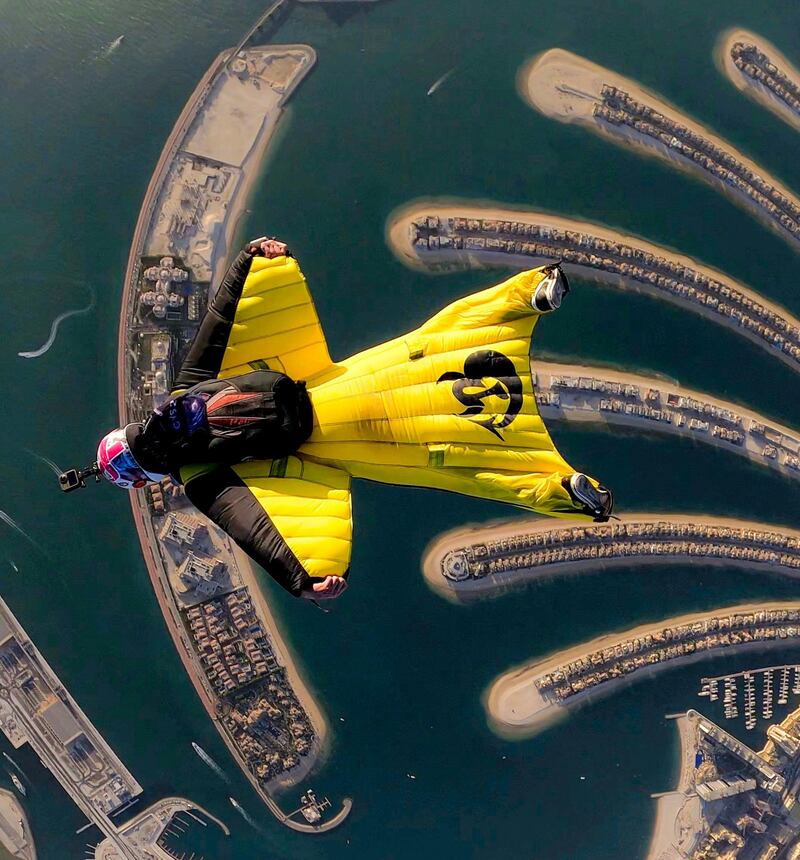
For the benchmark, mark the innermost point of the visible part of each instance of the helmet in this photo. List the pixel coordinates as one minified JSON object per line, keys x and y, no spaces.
{"x":116,"y":463}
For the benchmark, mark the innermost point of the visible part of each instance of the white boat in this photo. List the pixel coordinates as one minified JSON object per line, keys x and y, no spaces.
{"x":18,"y":784}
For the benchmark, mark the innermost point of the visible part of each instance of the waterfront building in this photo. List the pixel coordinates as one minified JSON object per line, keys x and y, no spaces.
{"x":184,"y":530}
{"x":443,"y":242}
{"x":37,"y":709}
{"x":202,"y":574}
{"x":774,"y":80}
{"x":164,"y":297}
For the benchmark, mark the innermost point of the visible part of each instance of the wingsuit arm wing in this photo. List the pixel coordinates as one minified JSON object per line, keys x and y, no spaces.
{"x":291,"y":516}
{"x":261,"y":318}
{"x":276,"y":325}
{"x":204,"y":359}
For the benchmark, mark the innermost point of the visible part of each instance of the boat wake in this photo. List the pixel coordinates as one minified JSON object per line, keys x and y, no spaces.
{"x":10,"y":522}
{"x":16,"y":767}
{"x":207,"y":760}
{"x":46,"y":460}
{"x":54,"y":329}
{"x":107,"y":50}
{"x":240,"y":809}
{"x":440,"y":81}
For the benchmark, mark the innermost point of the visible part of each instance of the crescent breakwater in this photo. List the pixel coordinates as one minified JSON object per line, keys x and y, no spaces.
{"x":442,"y":236}
{"x":497,"y":558}
{"x":524,"y":700}
{"x":145,"y":831}
{"x":207,"y":590}
{"x":569,"y":88}
{"x":760,"y":71}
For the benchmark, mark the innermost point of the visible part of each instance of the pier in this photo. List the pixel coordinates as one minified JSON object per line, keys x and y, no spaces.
{"x":788,"y":684}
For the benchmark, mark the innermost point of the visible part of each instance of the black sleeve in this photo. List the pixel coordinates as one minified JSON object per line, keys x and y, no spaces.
{"x":227,"y":501}
{"x":204,"y":359}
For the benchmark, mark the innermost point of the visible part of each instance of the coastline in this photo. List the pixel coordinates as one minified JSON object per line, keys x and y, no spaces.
{"x":298,"y":682}
{"x":400,"y":220}
{"x":496,"y":584}
{"x":760,"y":94}
{"x":13,"y":816}
{"x":253,"y":167}
{"x":516,"y":685}
{"x":189,"y":120}
{"x":670,"y":804}
{"x":786,"y":438}
{"x":144,"y":837}
{"x":555,"y":70}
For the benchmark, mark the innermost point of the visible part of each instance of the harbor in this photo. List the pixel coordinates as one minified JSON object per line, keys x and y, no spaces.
{"x":761,"y":691}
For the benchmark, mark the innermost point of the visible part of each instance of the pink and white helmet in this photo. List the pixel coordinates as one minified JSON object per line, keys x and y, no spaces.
{"x":116,"y":461}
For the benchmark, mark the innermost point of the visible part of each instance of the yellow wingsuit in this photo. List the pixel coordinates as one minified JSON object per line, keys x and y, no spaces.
{"x":425,"y":409}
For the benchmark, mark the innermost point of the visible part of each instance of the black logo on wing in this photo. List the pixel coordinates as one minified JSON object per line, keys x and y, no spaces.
{"x":470,"y":388}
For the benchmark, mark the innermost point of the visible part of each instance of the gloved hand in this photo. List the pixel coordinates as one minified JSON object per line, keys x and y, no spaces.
{"x":267,"y":247}
{"x":328,"y":589}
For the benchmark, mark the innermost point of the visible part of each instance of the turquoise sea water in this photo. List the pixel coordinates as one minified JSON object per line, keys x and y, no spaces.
{"x":81,"y":134}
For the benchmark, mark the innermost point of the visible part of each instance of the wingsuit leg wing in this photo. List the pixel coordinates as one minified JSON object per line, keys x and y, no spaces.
{"x":450,"y":405}
{"x":292,"y":517}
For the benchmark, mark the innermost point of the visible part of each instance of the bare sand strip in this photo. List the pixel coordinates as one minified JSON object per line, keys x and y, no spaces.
{"x":516,"y":709}
{"x":566,"y":87}
{"x":398,"y":236}
{"x":467,"y":538}
{"x":679,"y":814}
{"x":752,"y":88}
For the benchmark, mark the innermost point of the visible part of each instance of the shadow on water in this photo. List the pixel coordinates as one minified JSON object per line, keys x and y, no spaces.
{"x":341,"y":13}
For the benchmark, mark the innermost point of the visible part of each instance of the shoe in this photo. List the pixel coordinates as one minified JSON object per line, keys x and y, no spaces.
{"x":596,"y":501}
{"x":550,"y":293}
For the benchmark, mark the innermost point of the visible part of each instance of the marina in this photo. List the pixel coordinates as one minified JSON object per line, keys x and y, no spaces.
{"x":759,"y":691}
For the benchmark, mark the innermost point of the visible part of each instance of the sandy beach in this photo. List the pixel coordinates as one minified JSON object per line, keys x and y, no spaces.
{"x":397,"y":237}
{"x":678,"y":815}
{"x":515,"y":708}
{"x":494,"y":585}
{"x":566,"y":87}
{"x":754,"y":89}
